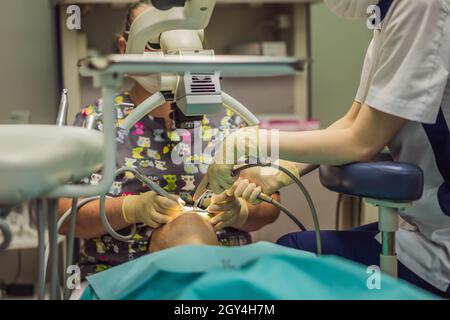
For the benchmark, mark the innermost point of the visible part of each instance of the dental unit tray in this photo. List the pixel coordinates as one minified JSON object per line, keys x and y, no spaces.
{"x":228,"y":66}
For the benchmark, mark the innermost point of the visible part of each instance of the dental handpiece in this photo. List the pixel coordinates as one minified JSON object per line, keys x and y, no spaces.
{"x":152,"y":185}
{"x":261,"y":196}
{"x":265,"y":198}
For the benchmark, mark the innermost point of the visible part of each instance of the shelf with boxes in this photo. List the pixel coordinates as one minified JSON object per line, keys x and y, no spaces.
{"x":244,"y":27}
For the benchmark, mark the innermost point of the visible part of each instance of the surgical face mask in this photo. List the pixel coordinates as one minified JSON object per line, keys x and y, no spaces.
{"x":350,"y":9}
{"x":151,"y":83}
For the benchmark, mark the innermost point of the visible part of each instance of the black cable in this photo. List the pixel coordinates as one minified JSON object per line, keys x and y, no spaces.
{"x":289,"y":214}
{"x":302,"y":188}
{"x":338,"y":211}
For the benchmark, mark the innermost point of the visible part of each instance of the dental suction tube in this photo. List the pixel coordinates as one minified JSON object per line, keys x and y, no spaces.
{"x":152,"y":185}
{"x":147,"y":106}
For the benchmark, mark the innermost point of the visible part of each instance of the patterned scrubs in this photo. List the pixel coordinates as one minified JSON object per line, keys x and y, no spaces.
{"x":170,"y":158}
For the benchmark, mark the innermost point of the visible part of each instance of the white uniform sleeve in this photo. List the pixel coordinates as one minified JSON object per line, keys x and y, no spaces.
{"x":364,"y":82}
{"x":413,"y":62}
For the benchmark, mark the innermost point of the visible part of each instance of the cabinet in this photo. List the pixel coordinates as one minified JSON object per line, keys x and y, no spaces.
{"x":234,"y":22}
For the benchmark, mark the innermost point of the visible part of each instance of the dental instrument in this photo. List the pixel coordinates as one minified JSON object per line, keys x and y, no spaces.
{"x":268,"y":199}
{"x":61,"y":120}
{"x":152,"y":185}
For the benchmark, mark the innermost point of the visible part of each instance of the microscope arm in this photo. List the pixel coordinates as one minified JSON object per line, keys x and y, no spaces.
{"x":142,"y":110}
{"x":239,"y":109}
{"x":158,"y":99}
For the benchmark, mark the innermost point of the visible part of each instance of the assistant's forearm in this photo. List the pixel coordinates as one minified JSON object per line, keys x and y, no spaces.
{"x":348,"y":119}
{"x":89,"y":224}
{"x":328,"y":147}
{"x":366,"y":137}
{"x":343,"y":123}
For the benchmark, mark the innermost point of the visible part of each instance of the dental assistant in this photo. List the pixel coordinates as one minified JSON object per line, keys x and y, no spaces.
{"x":403,"y":102}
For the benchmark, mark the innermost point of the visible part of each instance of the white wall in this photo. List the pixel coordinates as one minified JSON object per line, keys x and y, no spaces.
{"x":338,"y":49}
{"x":29,"y":82}
{"x":28,"y":60}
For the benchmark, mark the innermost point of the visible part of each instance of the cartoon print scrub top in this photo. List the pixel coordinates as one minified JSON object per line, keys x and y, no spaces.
{"x":169,"y":158}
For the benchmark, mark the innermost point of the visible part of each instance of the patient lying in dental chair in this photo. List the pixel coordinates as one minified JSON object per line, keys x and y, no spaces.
{"x":261,"y":271}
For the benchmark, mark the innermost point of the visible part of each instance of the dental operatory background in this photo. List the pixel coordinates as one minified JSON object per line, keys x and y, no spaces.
{"x":42,"y":54}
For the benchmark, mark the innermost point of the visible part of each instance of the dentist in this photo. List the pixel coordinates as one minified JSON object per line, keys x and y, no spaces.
{"x":403,"y":102}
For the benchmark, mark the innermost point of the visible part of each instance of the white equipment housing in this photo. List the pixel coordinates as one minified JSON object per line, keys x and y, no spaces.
{"x":179,"y":31}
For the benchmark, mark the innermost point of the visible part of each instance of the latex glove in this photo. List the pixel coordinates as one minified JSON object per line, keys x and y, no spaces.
{"x":241,"y":145}
{"x":151,"y":209}
{"x":270,"y":179}
{"x":245,"y":190}
{"x":218,"y":178}
{"x":228,"y":211}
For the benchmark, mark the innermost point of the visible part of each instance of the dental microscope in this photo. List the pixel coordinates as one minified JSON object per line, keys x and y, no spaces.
{"x":176,"y":27}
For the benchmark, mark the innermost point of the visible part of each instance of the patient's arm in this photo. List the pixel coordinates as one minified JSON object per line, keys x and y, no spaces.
{"x":189,"y":228}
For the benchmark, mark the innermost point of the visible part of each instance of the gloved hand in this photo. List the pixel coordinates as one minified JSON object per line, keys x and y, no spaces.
{"x":151,"y":209}
{"x":218,"y":178}
{"x":242,"y":144}
{"x":245,"y":190}
{"x":270,"y":179}
{"x":230,"y":210}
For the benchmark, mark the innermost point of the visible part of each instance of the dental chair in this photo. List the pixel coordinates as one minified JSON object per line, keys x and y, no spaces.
{"x":390,"y":186}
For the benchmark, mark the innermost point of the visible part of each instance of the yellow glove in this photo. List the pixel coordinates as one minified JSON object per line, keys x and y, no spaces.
{"x":270,"y":179}
{"x":246,"y":190}
{"x":151,"y":209}
{"x":242,"y":144}
{"x":228,"y":211}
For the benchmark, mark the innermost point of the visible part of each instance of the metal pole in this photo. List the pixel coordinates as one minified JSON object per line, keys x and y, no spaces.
{"x":388,"y":225}
{"x":53,"y":243}
{"x":40,"y":218}
{"x":388,"y":241}
{"x":70,"y":243}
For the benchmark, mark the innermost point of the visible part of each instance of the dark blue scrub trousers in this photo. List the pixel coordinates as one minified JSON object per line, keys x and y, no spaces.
{"x":358,"y":245}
